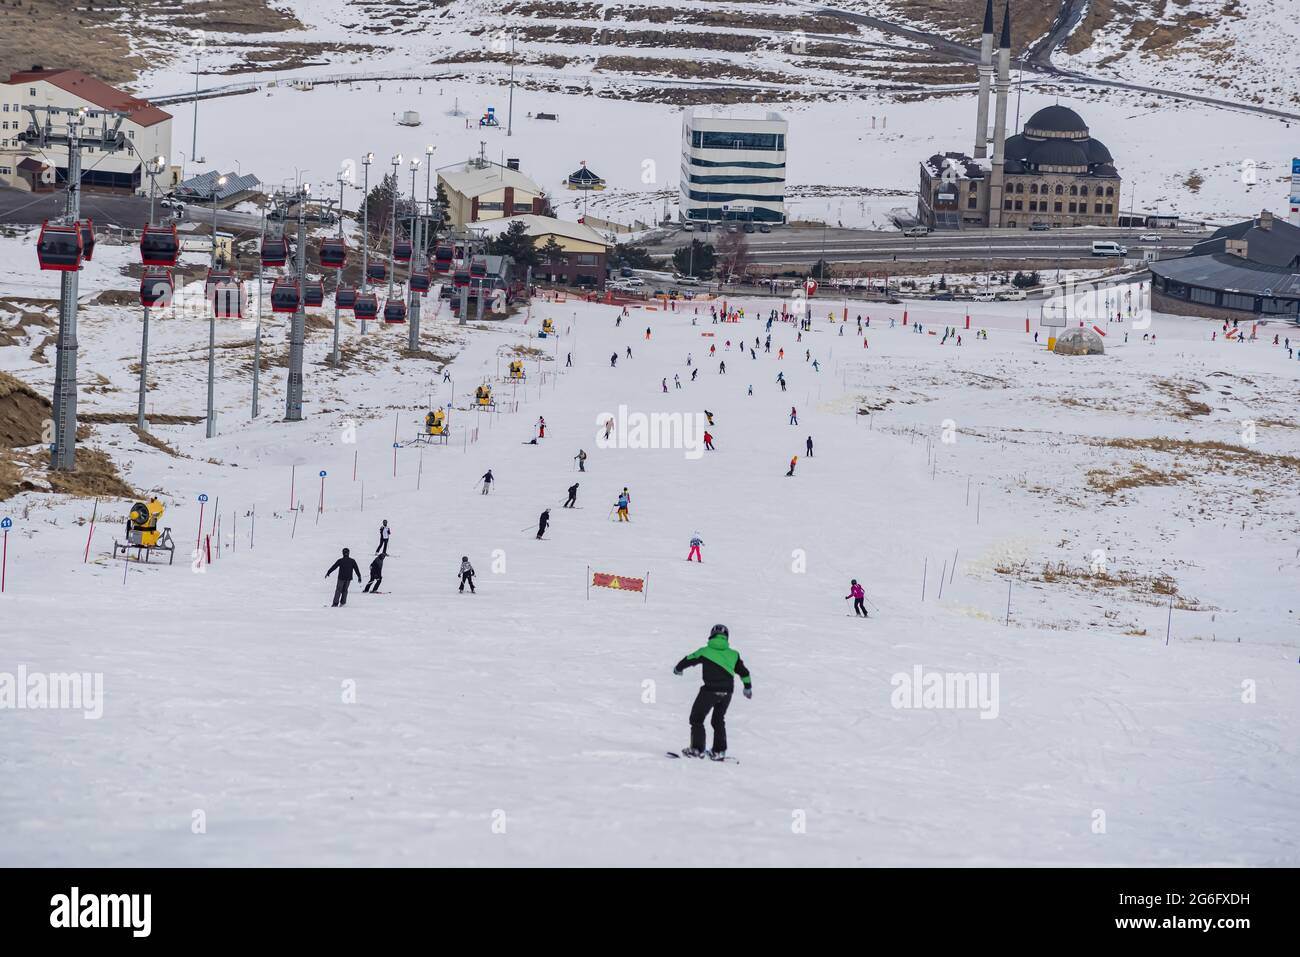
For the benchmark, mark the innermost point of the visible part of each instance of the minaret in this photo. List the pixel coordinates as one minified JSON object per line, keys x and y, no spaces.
{"x":986,"y":77}
{"x":1001,"y":86}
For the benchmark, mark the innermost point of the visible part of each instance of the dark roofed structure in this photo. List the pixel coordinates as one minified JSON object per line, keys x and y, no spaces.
{"x":1249,"y":270}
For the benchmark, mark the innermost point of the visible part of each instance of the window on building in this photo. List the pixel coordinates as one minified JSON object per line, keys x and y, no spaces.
{"x":1205,"y":296}
{"x":1059,"y":189}
{"x":724,"y":140}
{"x":130,"y":134}
{"x":1074,"y":191}
{"x":972,"y":202}
{"x":1235,"y":300}
{"x":973,"y":186}
{"x":31,"y":91}
{"x":523,"y":207}
{"x":1083,"y":191}
{"x":1096,"y":207}
{"x":586,"y":259}
{"x":1033,"y":187}
{"x":497,"y":206}
{"x":6,"y":107}
{"x":1020,"y":204}
{"x":1110,"y":190}
{"x":1056,"y":207}
{"x":1006,"y":204}
{"x":1074,"y":207}
{"x":1110,"y":207}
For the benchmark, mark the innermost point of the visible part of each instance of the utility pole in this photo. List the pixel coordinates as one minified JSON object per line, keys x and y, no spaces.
{"x":417,"y":253}
{"x":365,"y":228}
{"x":74,"y":138}
{"x":338,"y":278}
{"x":194,"y":140}
{"x":257,"y":334}
{"x":392,"y":238}
{"x":297,"y":328}
{"x":510,"y":109}
{"x":152,"y":168}
{"x":212,"y":320}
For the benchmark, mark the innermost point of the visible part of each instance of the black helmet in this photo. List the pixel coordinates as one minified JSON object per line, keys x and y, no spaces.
{"x":347,"y":551}
{"x":719,"y":630}
{"x":464,"y":558}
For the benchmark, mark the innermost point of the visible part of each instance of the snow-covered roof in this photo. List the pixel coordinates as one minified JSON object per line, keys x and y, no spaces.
{"x":474,"y":181}
{"x":543,"y":226}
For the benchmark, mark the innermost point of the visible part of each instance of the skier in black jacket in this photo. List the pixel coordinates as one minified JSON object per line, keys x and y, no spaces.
{"x":720,"y":664}
{"x":572,"y":500}
{"x":543,"y":522}
{"x":346,"y":569}
{"x":376,"y":575}
{"x":466,"y":574}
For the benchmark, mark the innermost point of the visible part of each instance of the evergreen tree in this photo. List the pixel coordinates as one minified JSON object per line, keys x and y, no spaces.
{"x":698,"y":260}
{"x":516,"y":243}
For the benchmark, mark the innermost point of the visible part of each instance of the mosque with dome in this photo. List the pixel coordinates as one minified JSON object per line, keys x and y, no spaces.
{"x":1052,"y":173}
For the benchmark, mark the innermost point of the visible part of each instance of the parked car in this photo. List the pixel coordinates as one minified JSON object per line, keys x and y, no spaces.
{"x":764,"y":228}
{"x":984,"y":296}
{"x":634,"y":282}
{"x":749,"y":227}
{"x":1149,"y":238}
{"x":688,"y":227}
{"x":944,"y":296}
{"x":625,"y":271}
{"x":686,"y":280}
{"x":1010,"y":295}
{"x":916,"y":231}
{"x":1108,"y":248}
{"x":1039,"y":227}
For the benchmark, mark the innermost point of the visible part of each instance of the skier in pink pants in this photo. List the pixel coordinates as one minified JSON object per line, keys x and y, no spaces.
{"x":695,"y":550}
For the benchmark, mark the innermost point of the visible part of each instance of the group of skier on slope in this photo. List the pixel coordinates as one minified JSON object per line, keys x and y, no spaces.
{"x":720,"y":663}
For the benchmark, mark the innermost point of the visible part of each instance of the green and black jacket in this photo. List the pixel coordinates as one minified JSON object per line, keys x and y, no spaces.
{"x":720,"y":663}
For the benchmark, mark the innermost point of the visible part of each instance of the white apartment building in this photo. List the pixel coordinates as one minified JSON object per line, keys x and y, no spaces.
{"x":148,"y":133}
{"x":733,"y":167}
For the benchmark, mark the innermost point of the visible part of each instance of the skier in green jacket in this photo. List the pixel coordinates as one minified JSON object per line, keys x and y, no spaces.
{"x":721,"y":663}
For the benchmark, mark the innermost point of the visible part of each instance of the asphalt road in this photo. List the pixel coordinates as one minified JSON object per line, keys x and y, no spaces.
{"x":806,"y":245}
{"x":132,"y":212}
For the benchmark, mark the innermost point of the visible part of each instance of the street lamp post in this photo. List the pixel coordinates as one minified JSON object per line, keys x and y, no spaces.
{"x":212,"y":319}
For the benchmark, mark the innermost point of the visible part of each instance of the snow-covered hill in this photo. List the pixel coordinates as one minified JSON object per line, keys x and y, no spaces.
{"x":526,"y":724}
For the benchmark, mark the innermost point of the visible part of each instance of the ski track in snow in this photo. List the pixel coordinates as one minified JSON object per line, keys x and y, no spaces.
{"x":223,"y":690}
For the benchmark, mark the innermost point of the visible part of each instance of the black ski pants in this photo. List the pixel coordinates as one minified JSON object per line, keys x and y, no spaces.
{"x":708,"y":700}
{"x":373,"y":585}
{"x":466,"y":579}
{"x":859,"y":608}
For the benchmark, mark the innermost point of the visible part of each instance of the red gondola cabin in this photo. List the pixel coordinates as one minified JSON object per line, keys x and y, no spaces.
{"x":156,"y":287}
{"x":284,"y":295}
{"x":394,"y":311}
{"x":159,"y":246}
{"x":366,"y":307}
{"x":59,"y":247}
{"x":333,"y":253}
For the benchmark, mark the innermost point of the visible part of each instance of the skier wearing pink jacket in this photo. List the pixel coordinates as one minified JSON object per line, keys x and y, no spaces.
{"x":857,"y":594}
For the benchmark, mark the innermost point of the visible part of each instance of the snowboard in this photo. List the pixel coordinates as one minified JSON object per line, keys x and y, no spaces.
{"x":674,"y":754}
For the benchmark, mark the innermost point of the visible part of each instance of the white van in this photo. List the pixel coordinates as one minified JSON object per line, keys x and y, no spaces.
{"x":917,"y":231}
{"x":1108,"y":248}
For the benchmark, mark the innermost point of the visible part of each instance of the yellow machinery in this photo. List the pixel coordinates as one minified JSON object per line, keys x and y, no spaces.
{"x":436,"y":428}
{"x":516,"y":373}
{"x":483,"y":396}
{"x":548,"y":329}
{"x":143,"y":534}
